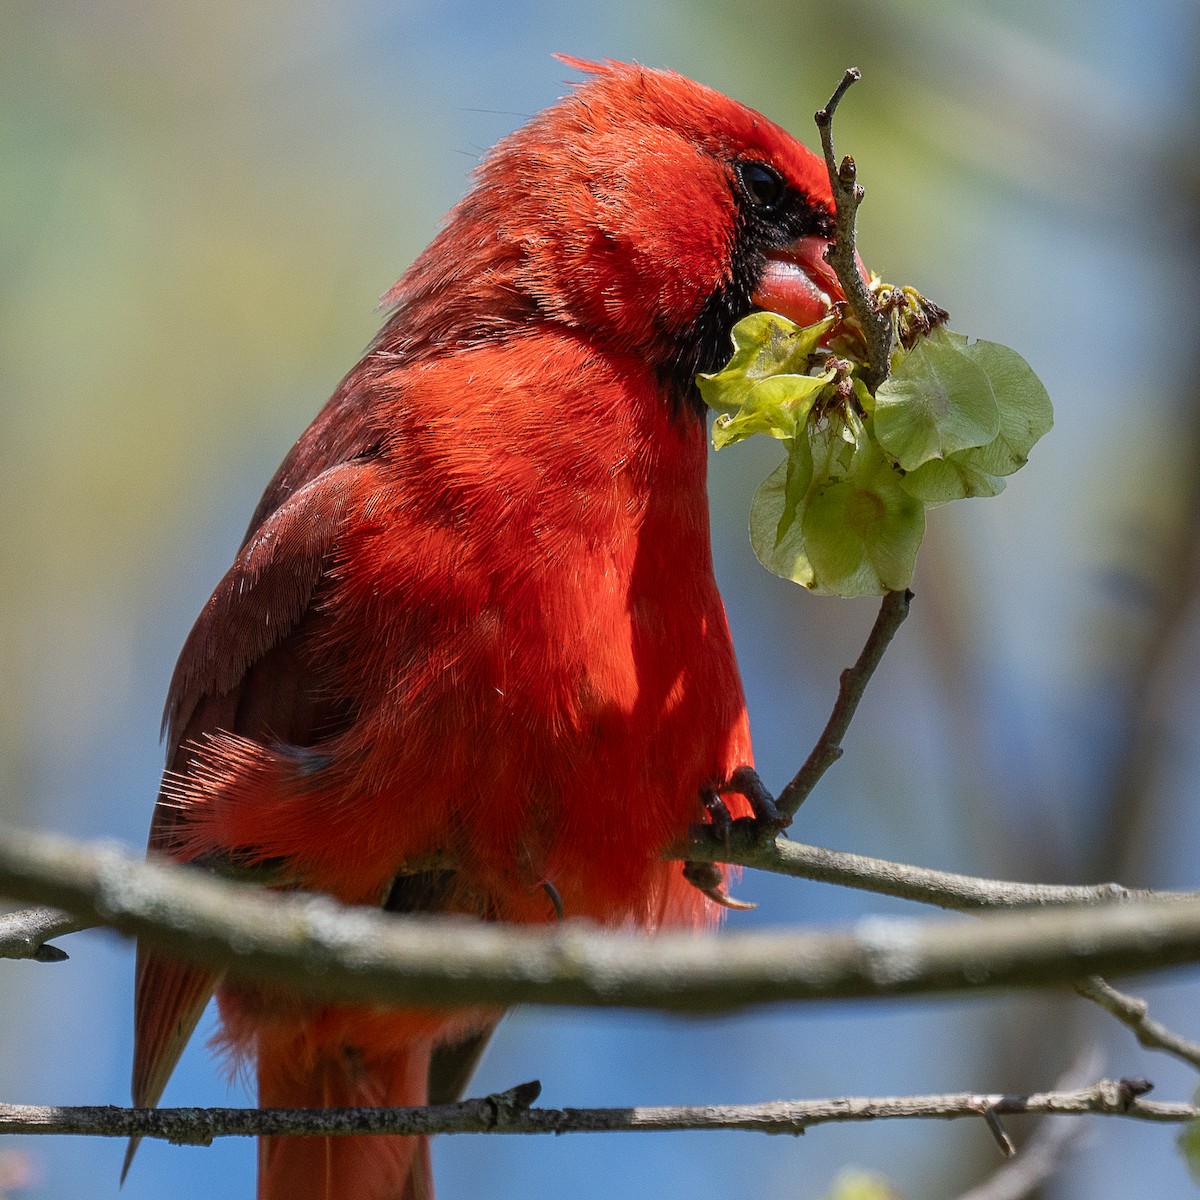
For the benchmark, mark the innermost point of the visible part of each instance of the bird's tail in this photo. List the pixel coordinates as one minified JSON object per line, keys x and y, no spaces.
{"x":378,"y":1167}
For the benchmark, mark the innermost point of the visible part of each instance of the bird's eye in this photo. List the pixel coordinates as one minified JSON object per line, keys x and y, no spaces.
{"x":763,"y":185}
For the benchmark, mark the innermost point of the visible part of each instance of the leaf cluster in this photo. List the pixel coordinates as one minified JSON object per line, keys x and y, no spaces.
{"x":844,"y":513}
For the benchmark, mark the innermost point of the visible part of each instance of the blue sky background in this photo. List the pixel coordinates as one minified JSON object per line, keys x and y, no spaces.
{"x":200,"y":205}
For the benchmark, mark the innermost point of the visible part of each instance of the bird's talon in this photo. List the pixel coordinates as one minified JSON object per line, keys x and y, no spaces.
{"x":767,"y":816}
{"x":718,"y":813}
{"x":725,"y":900}
{"x":708,"y":878}
{"x":555,"y":899}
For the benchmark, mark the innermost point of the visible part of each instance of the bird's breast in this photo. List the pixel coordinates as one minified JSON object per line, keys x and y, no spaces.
{"x":549,"y":678}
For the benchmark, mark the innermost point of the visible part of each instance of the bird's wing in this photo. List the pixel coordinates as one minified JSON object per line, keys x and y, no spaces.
{"x":240,"y":670}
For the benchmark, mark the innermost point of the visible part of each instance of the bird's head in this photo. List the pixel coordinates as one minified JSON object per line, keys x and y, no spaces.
{"x":648,"y":210}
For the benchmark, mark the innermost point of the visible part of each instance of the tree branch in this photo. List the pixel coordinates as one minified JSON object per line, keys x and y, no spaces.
{"x":326,"y":950}
{"x":509,"y":1112}
{"x":851,"y":685}
{"x":23,"y":933}
{"x":20,"y":931}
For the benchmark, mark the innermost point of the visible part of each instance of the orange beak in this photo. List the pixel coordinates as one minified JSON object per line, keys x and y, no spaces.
{"x":798,"y":283}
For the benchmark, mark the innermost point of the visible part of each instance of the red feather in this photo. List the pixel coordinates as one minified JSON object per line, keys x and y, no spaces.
{"x":475,"y":618}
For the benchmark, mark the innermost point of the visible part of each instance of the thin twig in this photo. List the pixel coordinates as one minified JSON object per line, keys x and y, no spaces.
{"x":1038,"y":1161}
{"x":1042,"y":1155}
{"x":991,"y":1119}
{"x":851,"y":685}
{"x":1133,"y":1012}
{"x":842,"y":255}
{"x":507,"y":1113}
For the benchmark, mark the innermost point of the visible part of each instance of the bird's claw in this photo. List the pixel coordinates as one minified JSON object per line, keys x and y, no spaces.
{"x":708,"y":878}
{"x":767,"y":817}
{"x":718,"y":814}
{"x":555,"y":899}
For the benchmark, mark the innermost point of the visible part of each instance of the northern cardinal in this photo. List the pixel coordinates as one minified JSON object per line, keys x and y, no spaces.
{"x":471,"y":657}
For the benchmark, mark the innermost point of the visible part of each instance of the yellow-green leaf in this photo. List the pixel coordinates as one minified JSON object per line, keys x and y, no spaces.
{"x":849,"y":534}
{"x":778,"y":406}
{"x":765,"y":344}
{"x":955,"y":478}
{"x":778,"y":542}
{"x":936,"y":401}
{"x":1025,"y":411}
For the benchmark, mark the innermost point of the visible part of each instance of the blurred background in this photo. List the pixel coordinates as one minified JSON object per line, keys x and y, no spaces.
{"x":200,"y":204}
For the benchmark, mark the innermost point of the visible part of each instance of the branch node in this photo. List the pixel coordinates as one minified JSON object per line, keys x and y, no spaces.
{"x":1130,"y":1090}
{"x":193,"y":1128}
{"x":508,"y":1106}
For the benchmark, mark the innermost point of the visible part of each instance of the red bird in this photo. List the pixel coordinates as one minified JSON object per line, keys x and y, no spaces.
{"x":471,"y":657}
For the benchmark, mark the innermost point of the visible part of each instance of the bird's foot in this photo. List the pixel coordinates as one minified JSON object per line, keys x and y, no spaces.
{"x":768,"y":820}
